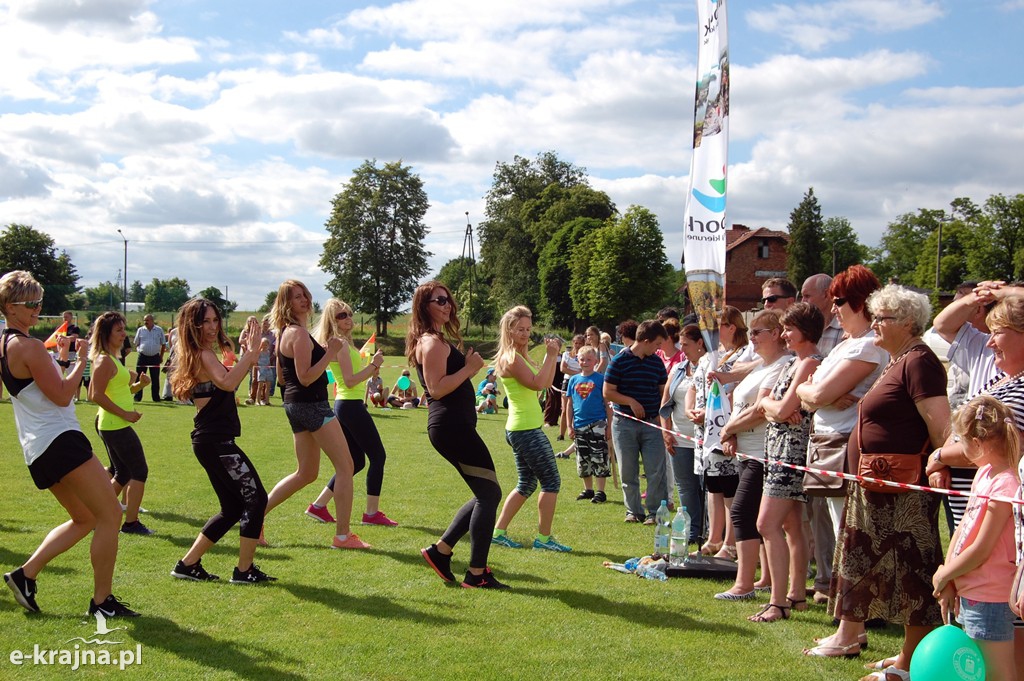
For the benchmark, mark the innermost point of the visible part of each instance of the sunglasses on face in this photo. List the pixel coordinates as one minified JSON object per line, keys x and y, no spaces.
{"x":342,"y":315}
{"x":772,"y":299}
{"x":29,"y":304}
{"x":878,"y":319}
{"x":839,"y":302}
{"x":441,"y":300}
{"x":754,"y":333}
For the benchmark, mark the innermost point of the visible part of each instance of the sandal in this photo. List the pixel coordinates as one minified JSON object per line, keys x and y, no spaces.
{"x":881,"y":664}
{"x":708,"y":549}
{"x":885,"y":674}
{"x":850,"y":651}
{"x":727,"y":551}
{"x":762,"y":614}
{"x":797,"y":605}
{"x":862,"y":639}
{"x":729,"y":596}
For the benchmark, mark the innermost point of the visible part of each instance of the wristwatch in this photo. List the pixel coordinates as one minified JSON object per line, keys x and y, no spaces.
{"x":937,"y":456}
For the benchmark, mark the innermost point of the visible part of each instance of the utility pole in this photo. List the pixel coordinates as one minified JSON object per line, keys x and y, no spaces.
{"x":467,"y":246}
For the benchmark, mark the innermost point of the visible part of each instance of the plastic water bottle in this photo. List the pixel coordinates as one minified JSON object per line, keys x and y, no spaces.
{"x":651,"y":572}
{"x":662,"y":530}
{"x":679,"y":551}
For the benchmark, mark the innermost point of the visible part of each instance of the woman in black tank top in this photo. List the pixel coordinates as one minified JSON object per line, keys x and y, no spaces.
{"x":199,"y":375}
{"x":451,"y":426}
{"x":304,"y":364}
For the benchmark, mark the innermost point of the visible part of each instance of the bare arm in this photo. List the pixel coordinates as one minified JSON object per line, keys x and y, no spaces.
{"x":993,"y":525}
{"x":780,"y":410}
{"x":935,"y":412}
{"x":31,"y":357}
{"x":522,"y":373}
{"x":298,"y":341}
{"x":349,"y":376}
{"x":612,"y":394}
{"x":747,"y":419}
{"x":432,"y":353}
{"x":846,"y":376}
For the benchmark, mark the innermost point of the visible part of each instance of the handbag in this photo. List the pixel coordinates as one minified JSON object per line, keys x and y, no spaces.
{"x":826,"y":451}
{"x":905,"y":468}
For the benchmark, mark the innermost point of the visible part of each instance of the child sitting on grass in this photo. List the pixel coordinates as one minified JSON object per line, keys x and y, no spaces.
{"x":375,"y":391}
{"x":589,"y":425}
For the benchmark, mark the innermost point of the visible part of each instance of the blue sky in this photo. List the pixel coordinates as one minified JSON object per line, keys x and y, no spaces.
{"x":215,"y":134}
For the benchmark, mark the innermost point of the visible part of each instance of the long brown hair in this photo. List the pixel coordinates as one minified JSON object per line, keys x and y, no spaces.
{"x":188,"y":352}
{"x":420,"y":324}
{"x":281,"y":313}
{"x":101,"y":330}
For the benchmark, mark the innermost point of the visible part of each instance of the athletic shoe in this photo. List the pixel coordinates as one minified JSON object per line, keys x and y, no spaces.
{"x":379,"y":518}
{"x":504,"y":540}
{"x":23,"y":588}
{"x":486,"y":580}
{"x":125,"y":508}
{"x":599,"y":498}
{"x":630,"y":518}
{"x":585,"y":494}
{"x":250,"y":401}
{"x":441,"y":563}
{"x":251,"y":576}
{"x":319,"y":513}
{"x":561,"y":455}
{"x":111,"y":607}
{"x":136,"y":528}
{"x":195,"y":572}
{"x":351,"y":542}
{"x":551,"y":545}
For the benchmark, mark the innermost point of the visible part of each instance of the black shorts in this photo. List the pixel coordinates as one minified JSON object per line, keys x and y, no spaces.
{"x":308,"y":416}
{"x":722,"y":484}
{"x":68,"y":451}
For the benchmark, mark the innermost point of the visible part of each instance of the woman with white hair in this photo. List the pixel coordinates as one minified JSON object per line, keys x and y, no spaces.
{"x":888,"y":546}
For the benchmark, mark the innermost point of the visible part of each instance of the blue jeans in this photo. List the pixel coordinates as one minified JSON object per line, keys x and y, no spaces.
{"x":691,"y":492}
{"x":632,"y":441}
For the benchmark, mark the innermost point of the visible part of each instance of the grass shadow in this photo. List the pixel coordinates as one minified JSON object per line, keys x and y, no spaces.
{"x":248,"y":661}
{"x":369,"y":606}
{"x":171,"y":517}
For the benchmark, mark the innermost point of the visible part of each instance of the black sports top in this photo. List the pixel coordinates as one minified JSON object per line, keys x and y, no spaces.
{"x":13,"y":385}
{"x":457,"y":407}
{"x":294,"y":391}
{"x":218,"y":420}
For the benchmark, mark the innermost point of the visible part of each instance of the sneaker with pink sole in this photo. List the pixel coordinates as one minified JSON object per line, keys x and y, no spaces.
{"x":351,"y":542}
{"x":319,"y":513}
{"x":379,"y":518}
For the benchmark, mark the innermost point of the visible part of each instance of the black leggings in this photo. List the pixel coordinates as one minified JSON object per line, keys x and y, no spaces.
{"x":363,"y":443}
{"x":238,"y":487}
{"x":127,"y":460}
{"x":746,"y":504}
{"x":462,"y":447}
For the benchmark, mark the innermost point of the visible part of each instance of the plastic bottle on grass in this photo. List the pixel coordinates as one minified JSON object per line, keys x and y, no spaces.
{"x":649,"y":571}
{"x":679,"y":547}
{"x":662,"y":530}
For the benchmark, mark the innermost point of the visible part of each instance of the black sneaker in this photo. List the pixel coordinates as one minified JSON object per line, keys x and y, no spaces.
{"x":599,"y":498}
{"x":136,"y":528}
{"x":485,"y":580}
{"x":111,"y":607}
{"x":251,"y":576}
{"x":441,"y":563}
{"x":194,"y":572}
{"x":23,"y":588}
{"x":585,"y":494}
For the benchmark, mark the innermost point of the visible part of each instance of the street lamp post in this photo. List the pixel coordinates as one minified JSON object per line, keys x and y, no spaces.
{"x":124,"y":303}
{"x":834,"y":243}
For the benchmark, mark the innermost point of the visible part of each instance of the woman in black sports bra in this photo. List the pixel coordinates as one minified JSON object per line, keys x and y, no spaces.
{"x":303,"y":367}
{"x":198,"y":375}
{"x":451,"y":426}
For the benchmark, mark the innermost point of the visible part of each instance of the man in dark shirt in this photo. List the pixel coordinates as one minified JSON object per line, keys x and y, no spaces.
{"x":634,"y":382}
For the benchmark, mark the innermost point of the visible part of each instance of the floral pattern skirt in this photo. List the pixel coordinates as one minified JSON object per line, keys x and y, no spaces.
{"x":887,"y":550}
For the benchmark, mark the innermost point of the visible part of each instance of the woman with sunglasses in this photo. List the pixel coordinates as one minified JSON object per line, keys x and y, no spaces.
{"x":433,"y":345}
{"x":200,"y":376}
{"x":57,"y":453}
{"x":315,"y":428}
{"x":360,"y":432}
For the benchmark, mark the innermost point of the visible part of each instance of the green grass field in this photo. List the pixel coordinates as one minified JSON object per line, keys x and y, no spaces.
{"x":382,"y":613}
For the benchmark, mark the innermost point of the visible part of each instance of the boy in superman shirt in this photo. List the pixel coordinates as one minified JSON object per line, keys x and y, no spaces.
{"x":589,"y":425}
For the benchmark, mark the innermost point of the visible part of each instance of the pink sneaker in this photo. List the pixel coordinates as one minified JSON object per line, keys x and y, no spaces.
{"x":319,"y":514}
{"x":379,"y":518}
{"x":351,"y":542}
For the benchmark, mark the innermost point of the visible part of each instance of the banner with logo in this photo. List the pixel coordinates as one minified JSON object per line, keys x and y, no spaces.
{"x":704,"y":219}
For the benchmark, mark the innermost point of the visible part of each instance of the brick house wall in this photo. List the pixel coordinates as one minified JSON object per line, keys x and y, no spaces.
{"x":752,"y":256}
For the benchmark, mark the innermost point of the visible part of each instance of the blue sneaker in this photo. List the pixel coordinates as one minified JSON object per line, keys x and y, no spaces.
{"x":503,"y":540}
{"x":551,"y":545}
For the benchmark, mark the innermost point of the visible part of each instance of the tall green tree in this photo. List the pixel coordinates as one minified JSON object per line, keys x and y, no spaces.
{"x":996,"y":234}
{"x":903,"y":243}
{"x":555,"y":270}
{"x":375,"y":250}
{"x":508,"y":247}
{"x":268,"y":302}
{"x":470,"y":291}
{"x":164,"y":295}
{"x":136,"y":292}
{"x":23,"y":247}
{"x":803,"y":255}
{"x":627,"y":273}
{"x":106,"y":295}
{"x":842,"y":247}
{"x":213,"y":294}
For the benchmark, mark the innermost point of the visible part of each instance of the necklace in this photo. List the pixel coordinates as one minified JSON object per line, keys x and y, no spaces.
{"x":900,"y":354}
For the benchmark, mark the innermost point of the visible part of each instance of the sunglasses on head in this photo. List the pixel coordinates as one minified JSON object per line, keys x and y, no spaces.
{"x":342,"y":315}
{"x":441,"y":300}
{"x":839,"y":302}
{"x":772,"y":299}
{"x":29,"y":304}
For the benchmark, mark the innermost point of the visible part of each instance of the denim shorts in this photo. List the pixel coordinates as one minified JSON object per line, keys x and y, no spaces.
{"x":986,"y":621}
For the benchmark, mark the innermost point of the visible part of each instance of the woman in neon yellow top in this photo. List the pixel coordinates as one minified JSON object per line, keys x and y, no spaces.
{"x":363,"y":439}
{"x":111,"y":388}
{"x":535,"y":459}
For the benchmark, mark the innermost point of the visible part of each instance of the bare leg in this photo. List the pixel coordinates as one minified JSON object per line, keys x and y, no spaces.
{"x":136,"y":490}
{"x":513,"y":502}
{"x":769,"y":523}
{"x":306,"y":473}
{"x":600,"y":484}
{"x":588,"y":482}
{"x":331,"y":440}
{"x":372,"y":504}
{"x":999,"y":661}
{"x":911,"y":637}
{"x":546,"y":502}
{"x":325,"y":496}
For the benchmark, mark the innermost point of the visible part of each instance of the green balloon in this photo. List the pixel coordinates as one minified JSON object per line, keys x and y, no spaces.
{"x":403,"y":383}
{"x":947,"y":654}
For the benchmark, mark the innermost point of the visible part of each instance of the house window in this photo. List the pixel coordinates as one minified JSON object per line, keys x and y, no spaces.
{"x":762,"y":250}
